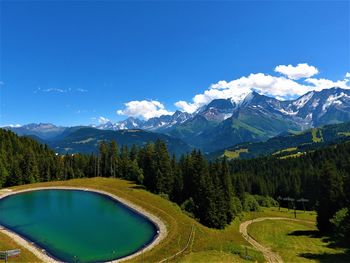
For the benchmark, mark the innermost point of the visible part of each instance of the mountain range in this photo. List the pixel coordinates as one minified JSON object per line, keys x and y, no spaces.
{"x":220,"y":124}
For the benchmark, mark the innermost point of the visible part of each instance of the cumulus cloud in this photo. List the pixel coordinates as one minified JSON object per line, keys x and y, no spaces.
{"x":103,"y":120}
{"x":12,"y":125}
{"x":279,"y":87}
{"x":320,"y":84}
{"x":239,"y":88}
{"x":145,"y":108}
{"x":294,"y":81}
{"x":302,"y":70}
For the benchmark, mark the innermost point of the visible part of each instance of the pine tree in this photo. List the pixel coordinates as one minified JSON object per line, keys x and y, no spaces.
{"x":114,"y":162}
{"x":29,"y":167}
{"x":163,"y":177}
{"x":331,"y":196}
{"x":3,"y":173}
{"x":227,"y":189}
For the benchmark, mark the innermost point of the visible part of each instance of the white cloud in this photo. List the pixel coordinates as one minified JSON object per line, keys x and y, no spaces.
{"x":279,"y":87}
{"x":59,"y":90}
{"x":302,"y":70}
{"x":185,"y":106}
{"x":103,"y":120}
{"x":12,"y":125}
{"x":54,"y":90}
{"x":239,"y":88}
{"x":320,"y":84}
{"x":82,"y":90}
{"x":146,"y":109}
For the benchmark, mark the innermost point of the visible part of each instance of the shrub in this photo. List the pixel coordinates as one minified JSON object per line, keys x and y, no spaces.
{"x":164,"y":196}
{"x":250,"y":203}
{"x":266,"y":201}
{"x":340,"y":223}
{"x":188,"y":206}
{"x":236,"y":206}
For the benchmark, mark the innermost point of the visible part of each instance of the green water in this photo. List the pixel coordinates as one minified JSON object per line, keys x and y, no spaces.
{"x":74,"y":225}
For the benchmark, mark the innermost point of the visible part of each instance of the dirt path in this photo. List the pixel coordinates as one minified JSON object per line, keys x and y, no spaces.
{"x":270,"y":256}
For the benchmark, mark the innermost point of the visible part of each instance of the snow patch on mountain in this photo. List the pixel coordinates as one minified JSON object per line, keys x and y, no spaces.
{"x":334,"y":99}
{"x":303,"y":100}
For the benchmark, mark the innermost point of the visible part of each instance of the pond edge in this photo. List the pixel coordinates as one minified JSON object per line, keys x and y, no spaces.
{"x":42,"y":255}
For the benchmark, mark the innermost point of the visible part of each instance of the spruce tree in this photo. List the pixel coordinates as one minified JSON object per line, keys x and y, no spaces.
{"x":331,"y":196}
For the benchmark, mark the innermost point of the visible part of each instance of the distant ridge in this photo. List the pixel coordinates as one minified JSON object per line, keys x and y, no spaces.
{"x":225,"y":122}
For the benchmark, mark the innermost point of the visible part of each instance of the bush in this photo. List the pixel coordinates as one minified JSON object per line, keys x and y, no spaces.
{"x":236,"y":206}
{"x":188,"y":206}
{"x":266,"y":201}
{"x":164,"y":196}
{"x":340,"y":223}
{"x":250,"y":203}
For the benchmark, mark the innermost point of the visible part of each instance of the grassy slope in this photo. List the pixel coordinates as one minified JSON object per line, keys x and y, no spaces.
{"x":217,"y":245}
{"x":7,"y":243}
{"x":234,"y":154}
{"x":296,"y":241}
{"x":178,"y":224}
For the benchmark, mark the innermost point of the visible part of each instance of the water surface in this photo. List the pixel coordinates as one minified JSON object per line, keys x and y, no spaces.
{"x":74,"y":225}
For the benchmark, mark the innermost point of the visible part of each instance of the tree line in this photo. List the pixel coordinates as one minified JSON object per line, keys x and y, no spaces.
{"x":213,"y":192}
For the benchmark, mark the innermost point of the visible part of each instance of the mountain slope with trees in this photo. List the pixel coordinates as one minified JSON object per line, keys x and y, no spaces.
{"x":213,"y":192}
{"x":289,"y":143}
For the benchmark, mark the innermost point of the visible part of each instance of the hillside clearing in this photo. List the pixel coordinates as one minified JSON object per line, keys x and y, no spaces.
{"x":217,"y":245}
{"x":296,"y":241}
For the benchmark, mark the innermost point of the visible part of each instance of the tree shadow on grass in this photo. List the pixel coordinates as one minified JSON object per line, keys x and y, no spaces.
{"x":327,"y":257}
{"x":308,"y":233}
{"x":138,"y":187}
{"x":332,"y":243}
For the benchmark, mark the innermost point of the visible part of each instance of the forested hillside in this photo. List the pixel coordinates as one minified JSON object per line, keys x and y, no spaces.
{"x":322,"y":177}
{"x":288,"y":144}
{"x":213,"y":192}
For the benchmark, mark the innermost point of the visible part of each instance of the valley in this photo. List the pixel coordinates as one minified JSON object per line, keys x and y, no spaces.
{"x":221,"y":124}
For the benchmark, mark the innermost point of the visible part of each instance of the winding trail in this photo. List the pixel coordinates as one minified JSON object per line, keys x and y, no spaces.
{"x":270,"y":256}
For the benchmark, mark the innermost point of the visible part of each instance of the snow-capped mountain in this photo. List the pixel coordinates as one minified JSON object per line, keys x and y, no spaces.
{"x":313,"y":109}
{"x":166,"y":121}
{"x":258,"y":117}
{"x":328,"y":106}
{"x":41,"y":130}
{"x":226,"y":122}
{"x":157,"y":123}
{"x":127,"y":124}
{"x":218,"y":110}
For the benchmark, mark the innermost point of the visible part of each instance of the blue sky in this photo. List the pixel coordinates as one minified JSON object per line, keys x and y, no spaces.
{"x":71,"y":62}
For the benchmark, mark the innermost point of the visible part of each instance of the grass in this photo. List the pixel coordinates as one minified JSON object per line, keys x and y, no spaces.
{"x":344,"y":133}
{"x":296,"y":241}
{"x":294,"y":155}
{"x":314,"y":133}
{"x":217,"y":245}
{"x":234,"y":154}
{"x":286,"y":150}
{"x":178,"y":224}
{"x":6,"y":243}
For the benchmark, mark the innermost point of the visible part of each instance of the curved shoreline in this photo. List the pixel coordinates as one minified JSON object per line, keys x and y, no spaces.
{"x":42,"y":255}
